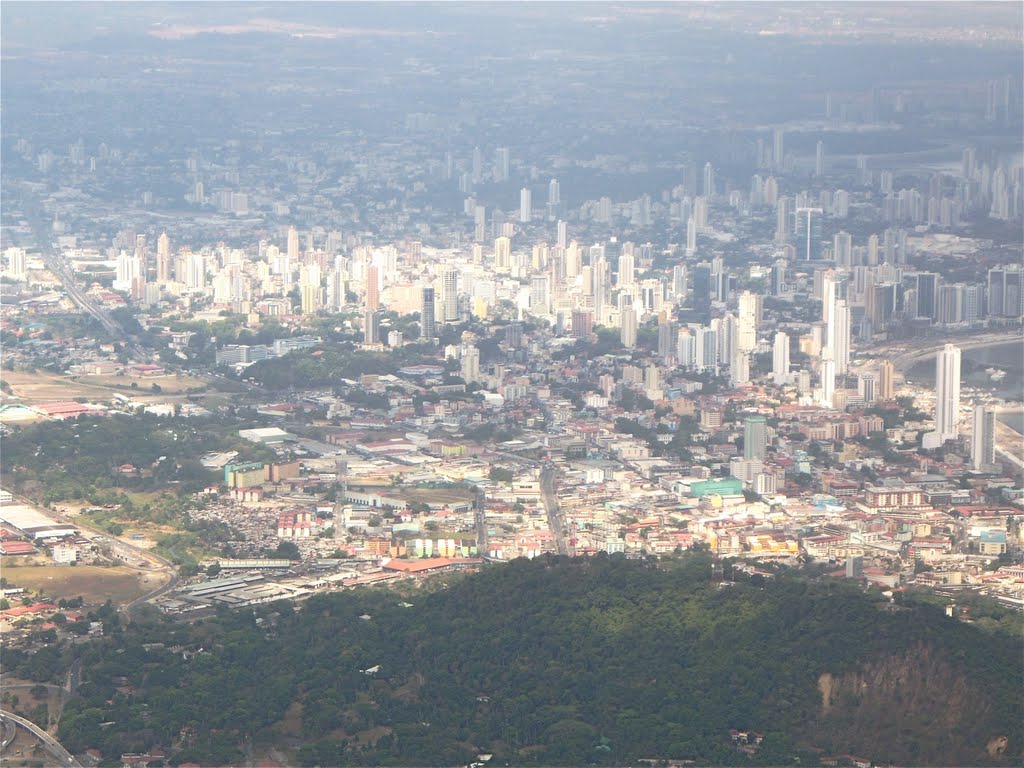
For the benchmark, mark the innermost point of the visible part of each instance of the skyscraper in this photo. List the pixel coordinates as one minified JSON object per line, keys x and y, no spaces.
{"x":886,"y":383}
{"x":372,"y":289}
{"x":709,"y":180}
{"x":163,"y":259}
{"x":502,"y":254}
{"x":502,"y":163}
{"x":749,"y":319}
{"x":627,"y":334}
{"x":755,"y":437}
{"x":626,"y":269}
{"x":808,"y":232}
{"x":666,"y":332}
{"x":983,"y":437}
{"x":780,"y":358}
{"x":778,"y":149}
{"x":450,"y":294}
{"x":819,"y":159}
{"x":691,"y":236}
{"x":841,"y":336}
{"x":371,"y":327}
{"x":947,"y":397}
{"x":428,"y":329}
{"x":525,"y":205}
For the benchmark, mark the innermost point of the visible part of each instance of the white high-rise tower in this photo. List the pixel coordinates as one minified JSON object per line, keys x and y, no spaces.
{"x":947,"y":398}
{"x":983,"y":437}
{"x":780,"y":358}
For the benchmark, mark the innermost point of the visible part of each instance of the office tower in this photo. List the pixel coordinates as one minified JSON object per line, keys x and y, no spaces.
{"x":808,"y":232}
{"x":502,"y":164}
{"x":666,"y":332}
{"x":886,"y":381}
{"x":778,"y":155}
{"x":782,"y":225}
{"x":502,"y":254}
{"x":563,"y":233}
{"x":652,"y":295}
{"x":372,"y":289}
{"x":163,"y":259}
{"x":450,"y":294}
{"x":691,"y":237}
{"x":371,"y":327}
{"x":755,"y":438}
{"x":819,"y":159}
{"x":702,"y":286}
{"x":627,"y":333}
{"x":652,"y":378}
{"x":525,"y":205}
{"x":709,"y":180}
{"x":866,"y":387}
{"x":770,"y":191}
{"x":873,"y":251}
{"x":947,"y":398}
{"x":626,"y":270}
{"x":828,"y":378}
{"x":780,"y":358}
{"x":841,"y":336}
{"x":983,"y":437}
{"x":582,"y":323}
{"x":428,"y":329}
{"x":841,"y":204}
{"x":842,"y":249}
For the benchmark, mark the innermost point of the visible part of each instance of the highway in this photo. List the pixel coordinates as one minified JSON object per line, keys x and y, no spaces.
{"x":904,"y":354}
{"x":548,"y":493}
{"x":53,"y":746}
{"x":43,"y":234}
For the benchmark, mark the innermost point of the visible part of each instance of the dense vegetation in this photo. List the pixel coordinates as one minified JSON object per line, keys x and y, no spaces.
{"x":326,"y":366}
{"x":60,"y":460}
{"x":558,"y":662}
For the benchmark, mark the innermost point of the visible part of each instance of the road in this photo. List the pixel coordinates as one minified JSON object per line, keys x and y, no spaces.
{"x":548,"y":493}
{"x":904,"y":354}
{"x":53,"y":746}
{"x":480,"y":517}
{"x":42,"y":231}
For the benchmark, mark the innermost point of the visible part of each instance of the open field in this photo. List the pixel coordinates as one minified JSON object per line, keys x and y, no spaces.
{"x":436,"y":495}
{"x":95,"y":584}
{"x":40,"y":387}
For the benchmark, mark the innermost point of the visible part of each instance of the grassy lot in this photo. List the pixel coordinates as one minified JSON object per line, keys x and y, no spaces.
{"x":95,"y":584}
{"x":40,"y":387}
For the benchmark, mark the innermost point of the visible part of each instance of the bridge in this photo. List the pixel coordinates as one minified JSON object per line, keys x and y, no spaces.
{"x":52,"y":746}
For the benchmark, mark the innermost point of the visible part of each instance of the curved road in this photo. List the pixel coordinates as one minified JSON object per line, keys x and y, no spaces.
{"x":53,"y":746}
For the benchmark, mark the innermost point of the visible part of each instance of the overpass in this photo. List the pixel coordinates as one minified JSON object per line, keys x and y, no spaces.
{"x":52,"y":746}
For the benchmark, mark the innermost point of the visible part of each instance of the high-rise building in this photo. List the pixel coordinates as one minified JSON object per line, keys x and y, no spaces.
{"x":502,"y":254}
{"x":293,"y":246}
{"x":709,"y":180}
{"x":778,"y":149}
{"x":470,"y":364}
{"x":691,"y":237}
{"x":163,"y":259}
{"x":450,"y":294}
{"x":372,"y":289}
{"x":886,"y":381}
{"x":1006,"y":291}
{"x":371,"y":327}
{"x":842,"y":249}
{"x":983,"y":437}
{"x":666,"y":332}
{"x":525,"y":205}
{"x":428,"y":328}
{"x":563,"y":233}
{"x":627,"y":269}
{"x":755,"y":438}
{"x":828,"y":378}
{"x":808,"y":232}
{"x":866,"y":387}
{"x":16,"y":265}
{"x":502,"y":164}
{"x":782,"y":225}
{"x":748,"y":321}
{"x":819,"y":159}
{"x":841,"y":336}
{"x":627,"y":333}
{"x":780,"y":358}
{"x":947,"y":397}
{"x":582,"y":323}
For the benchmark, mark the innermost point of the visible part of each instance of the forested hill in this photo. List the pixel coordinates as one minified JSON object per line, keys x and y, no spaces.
{"x":558,"y":662}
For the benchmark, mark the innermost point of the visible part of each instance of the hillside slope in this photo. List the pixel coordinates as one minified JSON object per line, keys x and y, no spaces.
{"x":561,"y":662}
